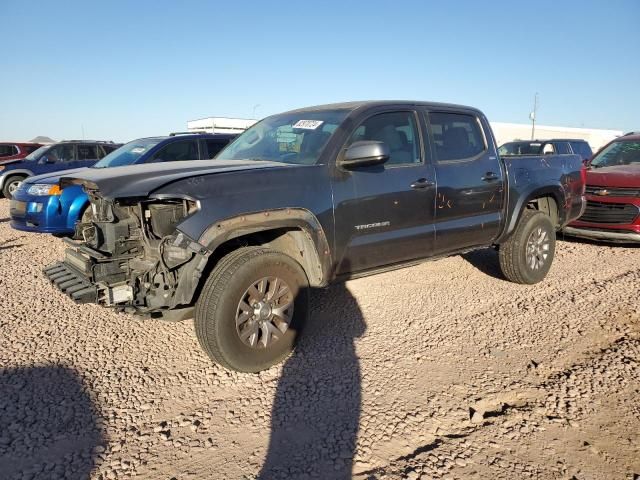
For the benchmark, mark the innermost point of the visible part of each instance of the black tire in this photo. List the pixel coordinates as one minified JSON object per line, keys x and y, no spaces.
{"x":10,"y":183}
{"x":218,"y":306}
{"x":535,"y":232}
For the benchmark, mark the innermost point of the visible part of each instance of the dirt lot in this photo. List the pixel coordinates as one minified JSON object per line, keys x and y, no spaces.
{"x":443,"y":370}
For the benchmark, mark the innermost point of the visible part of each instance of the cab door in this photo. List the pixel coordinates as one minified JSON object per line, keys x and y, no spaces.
{"x":87,"y":155}
{"x":384,"y":213}
{"x":470,"y":191}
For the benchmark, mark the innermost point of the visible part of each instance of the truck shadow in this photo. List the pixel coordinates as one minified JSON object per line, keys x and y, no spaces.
{"x":485,"y":260}
{"x":48,"y":424}
{"x":316,"y":411}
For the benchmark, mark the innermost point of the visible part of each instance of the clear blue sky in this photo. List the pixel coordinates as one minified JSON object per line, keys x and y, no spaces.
{"x":126,"y":69}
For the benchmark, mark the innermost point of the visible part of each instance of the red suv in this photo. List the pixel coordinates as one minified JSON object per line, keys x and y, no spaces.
{"x":10,"y":151}
{"x":613,"y":193}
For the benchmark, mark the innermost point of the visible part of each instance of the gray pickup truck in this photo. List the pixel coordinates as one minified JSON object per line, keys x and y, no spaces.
{"x":303,"y":199}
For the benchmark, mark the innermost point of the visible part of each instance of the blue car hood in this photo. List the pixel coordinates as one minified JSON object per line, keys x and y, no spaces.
{"x":52,"y":178}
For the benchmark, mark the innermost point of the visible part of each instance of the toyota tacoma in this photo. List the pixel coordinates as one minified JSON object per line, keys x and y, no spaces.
{"x":303,"y":199}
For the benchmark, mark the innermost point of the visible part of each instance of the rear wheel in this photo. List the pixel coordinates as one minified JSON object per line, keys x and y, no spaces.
{"x":527,"y":255}
{"x":251,"y":309}
{"x":11,"y":185}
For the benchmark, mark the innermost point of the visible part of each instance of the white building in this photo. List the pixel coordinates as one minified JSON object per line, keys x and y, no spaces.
{"x":220,"y":125}
{"x":507,"y":132}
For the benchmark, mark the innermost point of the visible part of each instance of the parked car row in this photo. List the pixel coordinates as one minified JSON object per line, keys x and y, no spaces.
{"x":11,"y":151}
{"x":41,"y":206}
{"x":303,"y":199}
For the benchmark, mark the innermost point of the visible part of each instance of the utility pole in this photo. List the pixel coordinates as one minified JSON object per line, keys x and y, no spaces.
{"x":532,"y":116}
{"x":253,"y":116}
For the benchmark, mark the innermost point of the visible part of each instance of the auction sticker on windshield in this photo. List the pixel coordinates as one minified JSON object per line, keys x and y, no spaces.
{"x":308,"y":124}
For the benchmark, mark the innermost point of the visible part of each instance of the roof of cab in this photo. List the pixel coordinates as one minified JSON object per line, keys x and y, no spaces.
{"x":379,"y":103}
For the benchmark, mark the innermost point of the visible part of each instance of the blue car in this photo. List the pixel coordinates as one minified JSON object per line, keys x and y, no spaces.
{"x":38,"y":205}
{"x":67,"y":155}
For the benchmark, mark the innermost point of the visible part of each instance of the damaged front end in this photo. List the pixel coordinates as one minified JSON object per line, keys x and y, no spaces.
{"x":133,"y":257}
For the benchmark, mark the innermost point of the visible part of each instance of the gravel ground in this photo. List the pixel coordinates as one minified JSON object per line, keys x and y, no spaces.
{"x":443,"y":370}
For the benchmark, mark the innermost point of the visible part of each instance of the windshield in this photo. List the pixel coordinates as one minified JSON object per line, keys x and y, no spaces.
{"x":288,"y":138}
{"x":36,"y":154}
{"x":129,"y":153}
{"x":521,"y":148}
{"x":618,"y":153}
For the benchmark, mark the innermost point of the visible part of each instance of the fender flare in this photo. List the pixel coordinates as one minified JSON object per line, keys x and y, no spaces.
{"x":318,"y":261}
{"x":556,"y":191}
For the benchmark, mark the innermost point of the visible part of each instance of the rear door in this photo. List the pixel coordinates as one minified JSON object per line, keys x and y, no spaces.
{"x":469,"y":196}
{"x":384,"y":213}
{"x":177,"y":150}
{"x":87,"y":155}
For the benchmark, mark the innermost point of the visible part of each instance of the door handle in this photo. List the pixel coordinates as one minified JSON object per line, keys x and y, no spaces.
{"x":422,"y":183}
{"x":490,"y":177}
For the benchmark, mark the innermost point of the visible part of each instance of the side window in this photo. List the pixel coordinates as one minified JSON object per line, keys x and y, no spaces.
{"x":176,"y":151}
{"x":60,"y":154}
{"x":215,"y":146}
{"x":456,"y":136}
{"x":397,"y":130}
{"x":7,"y":150}
{"x":563,"y":147}
{"x":87,"y":152}
{"x":582,"y":148}
{"x":109,"y":148}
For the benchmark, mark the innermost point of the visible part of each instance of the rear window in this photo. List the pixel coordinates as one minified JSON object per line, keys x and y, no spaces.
{"x":456,"y":136}
{"x":582,"y":148}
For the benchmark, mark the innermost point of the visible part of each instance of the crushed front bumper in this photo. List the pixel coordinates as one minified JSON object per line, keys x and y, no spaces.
{"x":72,"y":282}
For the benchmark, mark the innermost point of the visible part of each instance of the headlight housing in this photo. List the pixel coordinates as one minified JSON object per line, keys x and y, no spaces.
{"x":42,"y":189}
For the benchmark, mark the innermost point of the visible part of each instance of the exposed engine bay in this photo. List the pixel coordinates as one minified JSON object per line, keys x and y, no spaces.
{"x":132,"y":255}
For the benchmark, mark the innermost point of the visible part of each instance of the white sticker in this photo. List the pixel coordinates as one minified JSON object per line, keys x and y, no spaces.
{"x":308,"y":124}
{"x":138,"y":150}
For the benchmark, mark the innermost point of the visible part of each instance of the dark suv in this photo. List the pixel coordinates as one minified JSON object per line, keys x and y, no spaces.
{"x":557,"y":146}
{"x":12,"y":151}
{"x":59,"y":156}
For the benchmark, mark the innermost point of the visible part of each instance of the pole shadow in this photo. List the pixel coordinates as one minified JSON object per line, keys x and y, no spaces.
{"x":48,"y":425}
{"x":316,"y":411}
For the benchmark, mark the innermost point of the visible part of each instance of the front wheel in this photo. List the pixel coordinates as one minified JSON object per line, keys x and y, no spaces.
{"x":11,"y":185}
{"x":526,"y":256}
{"x":251,"y":309}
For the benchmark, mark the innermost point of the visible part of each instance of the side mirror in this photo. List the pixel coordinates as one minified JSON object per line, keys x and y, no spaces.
{"x":47,"y":159}
{"x":365,"y":154}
